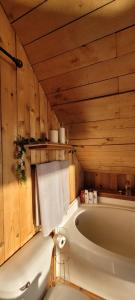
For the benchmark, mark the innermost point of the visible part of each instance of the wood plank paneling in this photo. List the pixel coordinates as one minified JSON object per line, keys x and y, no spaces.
{"x":24,"y":94}
{"x":15,"y":9}
{"x":1,"y":192}
{"x":127,"y":83}
{"x":98,"y":89}
{"x":126,"y":41}
{"x":97,"y":72}
{"x":52,"y":15}
{"x":43,"y":121}
{"x":53,"y":122}
{"x":76,"y":176}
{"x":89,"y":54}
{"x":9,"y":130}
{"x":24,"y":111}
{"x":97,"y":62}
{"x":103,"y":168}
{"x":107,"y":130}
{"x":72,"y":179}
{"x":109,"y":158}
{"x":108,"y":182}
{"x":107,"y":20}
{"x":37,"y":116}
{"x":34,"y":111}
{"x":127,"y":105}
{"x":90,"y":110}
{"x":105,"y":181}
{"x":43,"y":113}
{"x":104,"y":141}
{"x":27,"y":229}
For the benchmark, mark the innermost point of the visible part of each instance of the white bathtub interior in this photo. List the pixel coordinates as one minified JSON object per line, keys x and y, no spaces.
{"x":102,"y":256}
{"x":112,"y":229}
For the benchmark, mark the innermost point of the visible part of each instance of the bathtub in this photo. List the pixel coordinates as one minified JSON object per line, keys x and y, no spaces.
{"x":101,"y":255}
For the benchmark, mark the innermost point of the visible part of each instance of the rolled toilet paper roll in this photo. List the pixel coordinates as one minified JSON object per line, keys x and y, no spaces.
{"x":54,"y":136}
{"x":62,"y":135}
{"x":60,"y":241}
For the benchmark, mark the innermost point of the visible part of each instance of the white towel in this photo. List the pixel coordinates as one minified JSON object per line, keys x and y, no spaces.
{"x":64,"y":183}
{"x":37,"y":204}
{"x":53,"y":191}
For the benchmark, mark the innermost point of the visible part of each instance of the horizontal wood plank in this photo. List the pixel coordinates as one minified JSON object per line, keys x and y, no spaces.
{"x":107,"y":130}
{"x":51,"y":15}
{"x":104,"y":141}
{"x":89,"y":54}
{"x":93,"y":90}
{"x":105,"y":149}
{"x":101,"y":71}
{"x":111,"y":107}
{"x":86,"y":111}
{"x":106,"y":168}
{"x":126,"y":41}
{"x":127,"y":82}
{"x":15,"y":9}
{"x":107,"y":20}
{"x":108,"y":158}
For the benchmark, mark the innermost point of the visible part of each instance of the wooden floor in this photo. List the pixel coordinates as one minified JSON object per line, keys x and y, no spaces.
{"x":88,"y":294}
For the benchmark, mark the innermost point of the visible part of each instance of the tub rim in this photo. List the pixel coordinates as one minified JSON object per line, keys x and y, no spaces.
{"x":89,"y":245}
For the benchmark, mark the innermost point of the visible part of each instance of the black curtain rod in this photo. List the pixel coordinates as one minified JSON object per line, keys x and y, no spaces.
{"x":18,"y":62}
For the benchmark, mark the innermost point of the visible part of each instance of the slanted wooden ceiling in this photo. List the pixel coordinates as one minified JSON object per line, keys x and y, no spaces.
{"x":83,"y":53}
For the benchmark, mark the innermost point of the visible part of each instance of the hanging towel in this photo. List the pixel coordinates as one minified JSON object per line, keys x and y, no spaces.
{"x":64,"y":179}
{"x":53,"y":192}
{"x":37,"y":204}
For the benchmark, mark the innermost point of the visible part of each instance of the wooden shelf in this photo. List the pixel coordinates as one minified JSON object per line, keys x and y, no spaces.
{"x":50,"y":146}
{"x":113,"y":194}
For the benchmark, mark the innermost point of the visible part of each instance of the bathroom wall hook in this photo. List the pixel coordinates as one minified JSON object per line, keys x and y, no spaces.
{"x":17,"y":61}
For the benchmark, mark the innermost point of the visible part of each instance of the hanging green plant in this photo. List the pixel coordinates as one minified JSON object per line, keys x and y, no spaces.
{"x":21,"y":142}
{"x":20,"y":157}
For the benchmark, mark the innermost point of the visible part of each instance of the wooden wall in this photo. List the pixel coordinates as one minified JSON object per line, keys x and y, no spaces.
{"x":108,"y":182}
{"x":94,"y":92}
{"x":85,"y":62}
{"x":24,"y":111}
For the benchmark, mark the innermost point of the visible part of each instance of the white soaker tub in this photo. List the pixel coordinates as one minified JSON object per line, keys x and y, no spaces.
{"x":102,"y":251}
